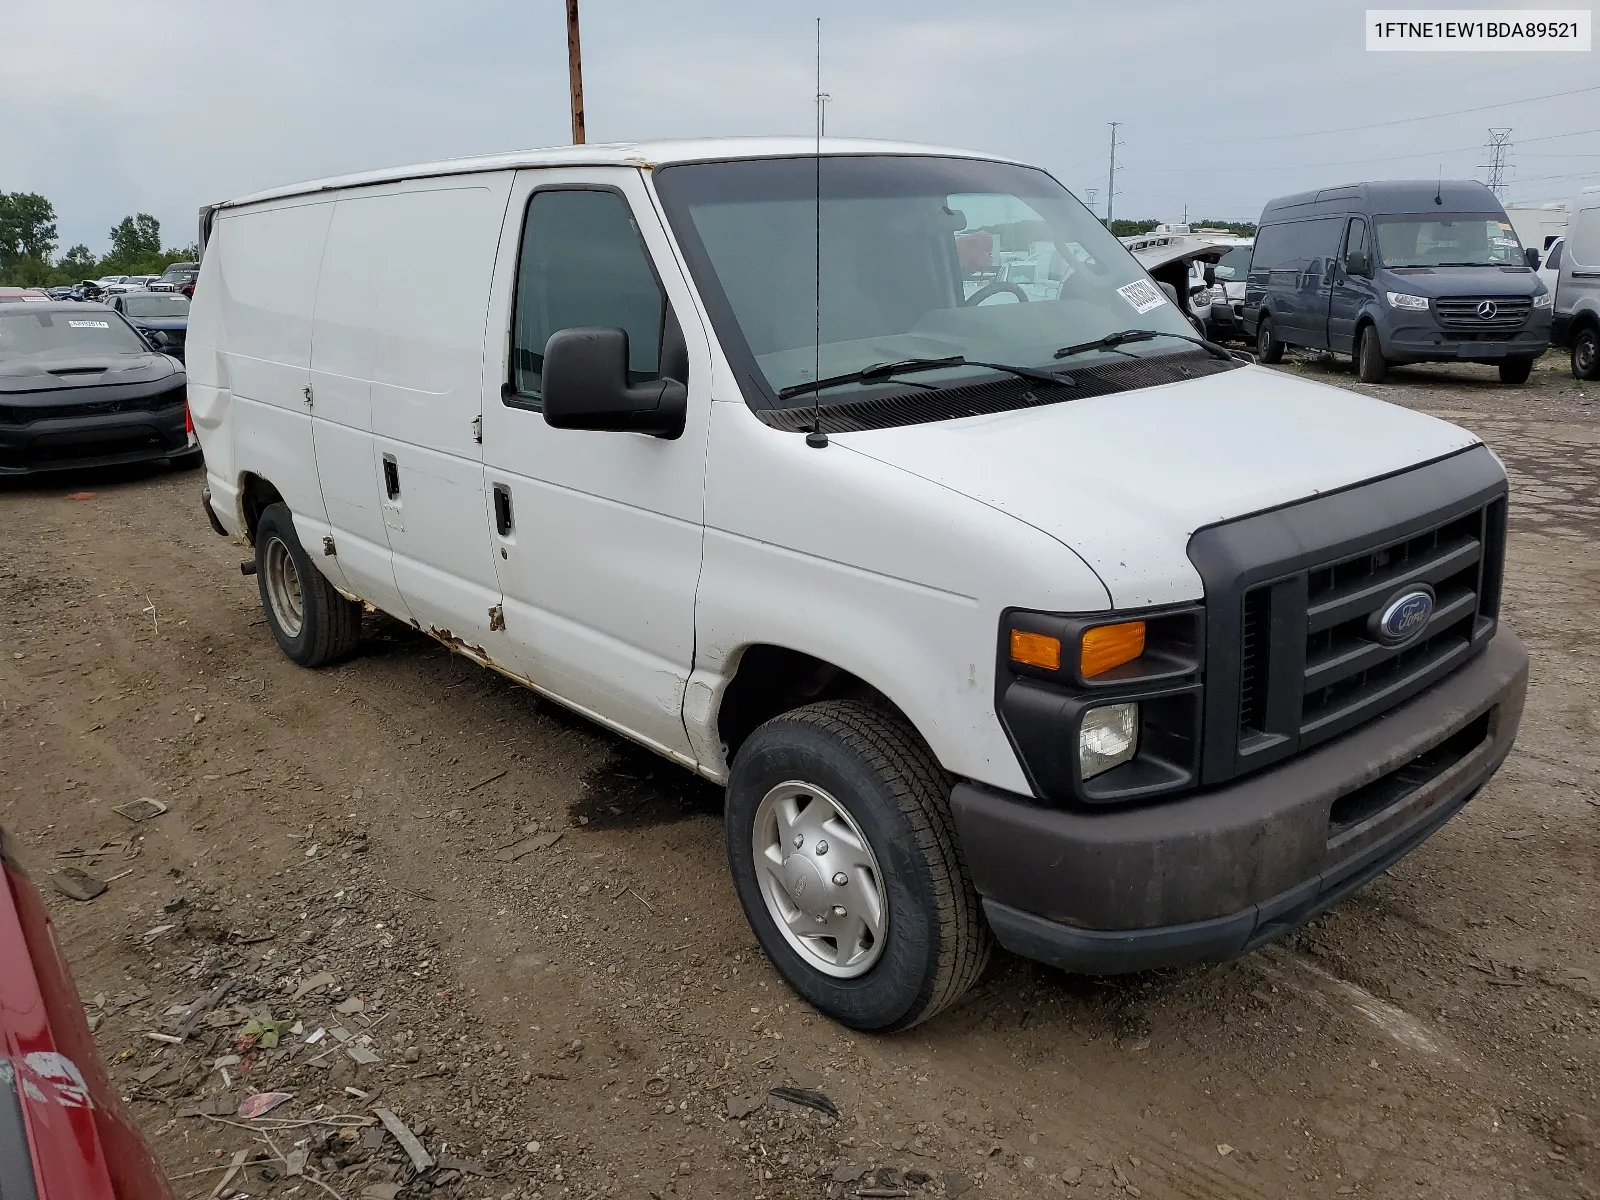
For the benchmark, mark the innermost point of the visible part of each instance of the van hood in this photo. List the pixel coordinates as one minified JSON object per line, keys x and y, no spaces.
{"x":76,"y":369}
{"x":1438,"y":282}
{"x":1124,"y":480}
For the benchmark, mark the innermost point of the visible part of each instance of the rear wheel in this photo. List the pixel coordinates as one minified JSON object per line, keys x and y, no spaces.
{"x":1268,"y":348}
{"x":1515,"y":370}
{"x":1370,"y":363}
{"x":843,"y":854}
{"x":313,"y":624}
{"x":1586,"y":353}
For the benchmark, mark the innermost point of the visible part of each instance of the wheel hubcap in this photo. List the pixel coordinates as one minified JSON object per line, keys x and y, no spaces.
{"x":283,"y":587}
{"x":1586,"y":353}
{"x":820,"y":879}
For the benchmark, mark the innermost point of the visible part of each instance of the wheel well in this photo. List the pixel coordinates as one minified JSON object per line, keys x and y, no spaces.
{"x":1362,"y":324}
{"x":255,"y":495}
{"x":772,"y":680}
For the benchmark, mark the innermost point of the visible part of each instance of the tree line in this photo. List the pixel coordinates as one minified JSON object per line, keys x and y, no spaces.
{"x":28,"y":242}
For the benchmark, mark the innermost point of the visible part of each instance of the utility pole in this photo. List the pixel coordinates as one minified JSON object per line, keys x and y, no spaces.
{"x":1498,"y":148}
{"x":575,"y":72}
{"x":1111,"y":176}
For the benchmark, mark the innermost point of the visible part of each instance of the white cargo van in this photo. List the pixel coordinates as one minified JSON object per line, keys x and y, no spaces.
{"x":1575,"y":261}
{"x":1004,"y":611}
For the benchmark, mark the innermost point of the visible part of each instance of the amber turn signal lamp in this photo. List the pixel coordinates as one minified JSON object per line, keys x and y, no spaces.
{"x":1036,"y":650}
{"x":1106,"y":646}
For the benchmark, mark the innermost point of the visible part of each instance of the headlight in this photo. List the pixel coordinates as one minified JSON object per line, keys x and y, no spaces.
{"x":1108,"y":737}
{"x":1544,"y":301}
{"x":1401,"y":300}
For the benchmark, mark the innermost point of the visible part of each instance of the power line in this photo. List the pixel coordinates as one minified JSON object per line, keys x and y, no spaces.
{"x":1278,"y":137}
{"x":1348,"y":162}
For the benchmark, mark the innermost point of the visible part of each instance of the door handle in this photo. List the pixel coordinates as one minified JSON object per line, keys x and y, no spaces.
{"x":391,"y":477}
{"x":502,"y":510}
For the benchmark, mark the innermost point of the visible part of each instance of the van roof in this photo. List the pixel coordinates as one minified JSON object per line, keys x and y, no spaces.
{"x":645,"y":155}
{"x":1388,"y":196}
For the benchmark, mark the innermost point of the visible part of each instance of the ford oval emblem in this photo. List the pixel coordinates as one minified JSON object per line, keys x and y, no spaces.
{"x":1404,"y":616}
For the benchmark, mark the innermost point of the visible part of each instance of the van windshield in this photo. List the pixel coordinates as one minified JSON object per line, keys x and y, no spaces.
{"x":1448,"y":240}
{"x":921,"y":258}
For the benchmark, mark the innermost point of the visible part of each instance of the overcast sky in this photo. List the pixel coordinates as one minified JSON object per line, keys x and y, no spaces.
{"x":116,"y":106}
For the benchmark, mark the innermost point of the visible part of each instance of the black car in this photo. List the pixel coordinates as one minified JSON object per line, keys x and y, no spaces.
{"x":80,"y":387}
{"x":175,"y":277}
{"x":151,"y":313}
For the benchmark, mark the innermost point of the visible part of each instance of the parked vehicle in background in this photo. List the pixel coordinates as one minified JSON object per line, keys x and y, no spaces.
{"x":1577,"y":318}
{"x":1225,"y":321}
{"x":1183,"y":264}
{"x":79,"y":387}
{"x":175,"y":277}
{"x":21,"y":294}
{"x":157,"y":313}
{"x":1397,"y":272}
{"x":64,"y":1134}
{"x":105,"y":281}
{"x":1001,"y":606}
{"x":1549,"y":272}
{"x":131,"y":283}
{"x":60,"y":293}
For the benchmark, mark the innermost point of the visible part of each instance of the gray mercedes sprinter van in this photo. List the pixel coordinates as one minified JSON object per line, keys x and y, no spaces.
{"x":1399,"y":272}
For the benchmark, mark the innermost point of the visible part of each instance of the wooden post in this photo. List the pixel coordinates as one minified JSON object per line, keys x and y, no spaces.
{"x":575,"y":72}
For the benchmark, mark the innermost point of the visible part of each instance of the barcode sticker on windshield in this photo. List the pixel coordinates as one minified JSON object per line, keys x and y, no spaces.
{"x":89,"y":324}
{"x":1142,"y":295}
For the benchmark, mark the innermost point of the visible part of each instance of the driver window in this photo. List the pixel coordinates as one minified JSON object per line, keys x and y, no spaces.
{"x":583,"y":264}
{"x":1355,"y":239}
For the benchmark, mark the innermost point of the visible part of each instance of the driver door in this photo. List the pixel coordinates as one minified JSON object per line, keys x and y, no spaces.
{"x":597,"y":535}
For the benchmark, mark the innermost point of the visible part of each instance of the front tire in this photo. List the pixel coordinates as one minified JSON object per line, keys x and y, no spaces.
{"x":1370,"y":363}
{"x":1586,"y":353}
{"x":1268,"y":348}
{"x":313,"y":624}
{"x":872,"y":916}
{"x":1515,"y":370}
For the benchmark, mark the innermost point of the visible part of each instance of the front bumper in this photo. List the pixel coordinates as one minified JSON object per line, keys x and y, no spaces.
{"x":1427,"y":342}
{"x":100,"y":440}
{"x":1209,"y":877}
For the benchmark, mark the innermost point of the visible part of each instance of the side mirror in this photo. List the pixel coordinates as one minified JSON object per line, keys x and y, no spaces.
{"x":585,"y":386}
{"x":159,"y":339}
{"x":1357,"y":262}
{"x":1211,"y":274}
{"x":1531,"y":257}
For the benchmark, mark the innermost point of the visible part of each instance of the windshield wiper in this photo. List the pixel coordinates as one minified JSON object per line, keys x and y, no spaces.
{"x":905,"y":366}
{"x":1123,"y":336}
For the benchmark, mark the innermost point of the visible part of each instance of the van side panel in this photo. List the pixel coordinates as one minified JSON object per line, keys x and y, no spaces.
{"x":434,"y":263}
{"x":267,"y":264}
{"x":210,"y":390}
{"x":342,"y":353}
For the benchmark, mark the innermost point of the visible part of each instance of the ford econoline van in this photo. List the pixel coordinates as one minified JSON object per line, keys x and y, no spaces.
{"x":1005,"y":608}
{"x":1400,"y":272}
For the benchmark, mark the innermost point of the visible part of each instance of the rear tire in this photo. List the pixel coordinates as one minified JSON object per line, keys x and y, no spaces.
{"x":1586,"y":353}
{"x":874,"y":782}
{"x":1268,"y":348}
{"x":1370,"y":363}
{"x":1515,"y":370}
{"x":313,"y":624}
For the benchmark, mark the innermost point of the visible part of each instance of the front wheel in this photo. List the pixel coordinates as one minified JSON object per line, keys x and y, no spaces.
{"x":1268,"y":348}
{"x":1515,"y":370}
{"x":1370,"y":363}
{"x":313,"y":624}
{"x":1586,"y":353}
{"x":843,"y":854}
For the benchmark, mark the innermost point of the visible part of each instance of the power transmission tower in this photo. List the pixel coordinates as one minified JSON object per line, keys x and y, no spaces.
{"x":1093,"y":194}
{"x":1498,"y":149}
{"x":1111,"y":175}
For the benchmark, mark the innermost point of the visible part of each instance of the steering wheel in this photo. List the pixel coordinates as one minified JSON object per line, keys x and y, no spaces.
{"x":994,"y":289}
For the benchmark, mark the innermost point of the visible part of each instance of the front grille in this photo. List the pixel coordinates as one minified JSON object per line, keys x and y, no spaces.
{"x":1341,"y":674}
{"x":26,"y":414}
{"x":1463,"y":312}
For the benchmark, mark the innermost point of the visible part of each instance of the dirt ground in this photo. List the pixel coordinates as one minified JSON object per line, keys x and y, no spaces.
{"x":372,"y":851}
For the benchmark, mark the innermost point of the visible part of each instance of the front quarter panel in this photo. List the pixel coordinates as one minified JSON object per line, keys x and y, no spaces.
{"x":875,"y":570}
